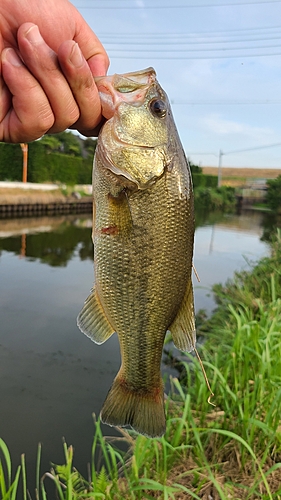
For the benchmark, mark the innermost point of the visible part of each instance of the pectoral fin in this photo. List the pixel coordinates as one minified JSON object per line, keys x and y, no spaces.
{"x":92,"y":320}
{"x":120,"y":214}
{"x":183,"y":327}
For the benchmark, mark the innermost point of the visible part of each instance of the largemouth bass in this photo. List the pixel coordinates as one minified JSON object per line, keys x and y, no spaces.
{"x":143,"y":232}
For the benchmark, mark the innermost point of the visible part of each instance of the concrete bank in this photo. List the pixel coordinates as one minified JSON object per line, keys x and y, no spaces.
{"x":19,"y":199}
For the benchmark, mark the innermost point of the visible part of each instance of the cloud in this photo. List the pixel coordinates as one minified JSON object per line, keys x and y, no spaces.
{"x":140,"y":4}
{"x":223,"y":127}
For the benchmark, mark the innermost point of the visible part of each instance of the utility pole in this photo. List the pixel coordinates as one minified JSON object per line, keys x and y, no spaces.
{"x":24,"y":148}
{"x":220,"y":168}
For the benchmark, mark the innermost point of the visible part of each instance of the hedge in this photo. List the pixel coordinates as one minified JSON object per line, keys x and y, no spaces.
{"x":206,"y":181}
{"x":44,"y":166}
{"x":57,"y":167}
{"x":10,"y":162}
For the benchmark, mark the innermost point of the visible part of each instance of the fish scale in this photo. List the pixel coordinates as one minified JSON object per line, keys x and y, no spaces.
{"x":143,"y":234}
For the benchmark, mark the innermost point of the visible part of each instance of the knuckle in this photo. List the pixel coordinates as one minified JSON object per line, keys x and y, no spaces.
{"x":64,"y":122}
{"x":71,"y":115}
{"x":45,"y":120}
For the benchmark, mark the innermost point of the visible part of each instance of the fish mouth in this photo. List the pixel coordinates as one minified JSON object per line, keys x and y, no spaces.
{"x":142,"y":76}
{"x":130,"y":88}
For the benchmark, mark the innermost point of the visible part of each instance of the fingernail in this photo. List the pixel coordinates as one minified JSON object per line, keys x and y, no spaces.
{"x":33,"y":35}
{"x":12,"y":57}
{"x":76,"y":57}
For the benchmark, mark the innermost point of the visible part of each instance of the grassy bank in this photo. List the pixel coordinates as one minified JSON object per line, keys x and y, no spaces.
{"x":231,"y":451}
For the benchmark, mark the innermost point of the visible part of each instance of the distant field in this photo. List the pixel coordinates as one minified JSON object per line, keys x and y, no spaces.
{"x":239,"y":177}
{"x":244,"y":173}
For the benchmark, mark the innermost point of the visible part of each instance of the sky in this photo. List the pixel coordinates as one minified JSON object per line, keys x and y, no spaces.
{"x":219,"y":61}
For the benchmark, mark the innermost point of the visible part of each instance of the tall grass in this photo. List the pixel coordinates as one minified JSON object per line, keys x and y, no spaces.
{"x":8,"y":484}
{"x":232,"y":451}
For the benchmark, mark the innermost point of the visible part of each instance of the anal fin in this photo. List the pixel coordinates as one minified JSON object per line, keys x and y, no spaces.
{"x":183,"y":327}
{"x":92,"y":320}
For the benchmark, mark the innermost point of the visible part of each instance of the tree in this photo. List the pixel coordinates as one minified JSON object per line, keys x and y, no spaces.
{"x":273,"y":195}
{"x":63,"y":142}
{"x":51,"y":143}
{"x":89,"y":146}
{"x":71,"y":143}
{"x":195,"y":169}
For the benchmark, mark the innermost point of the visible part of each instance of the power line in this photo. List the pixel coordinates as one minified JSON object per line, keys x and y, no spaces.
{"x":224,"y":56}
{"x":221,"y":154}
{"x":176,"y":51}
{"x":252,"y":149}
{"x":151,"y":7}
{"x":224,"y":103}
{"x":217,"y":33}
{"x":192,"y":42}
{"x":194,"y":38}
{"x":139,"y":6}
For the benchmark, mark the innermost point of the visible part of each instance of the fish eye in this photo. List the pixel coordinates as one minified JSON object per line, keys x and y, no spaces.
{"x":158,"y":108}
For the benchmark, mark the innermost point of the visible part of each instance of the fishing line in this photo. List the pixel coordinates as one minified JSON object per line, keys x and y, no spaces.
{"x":205,"y":377}
{"x":195,"y":272}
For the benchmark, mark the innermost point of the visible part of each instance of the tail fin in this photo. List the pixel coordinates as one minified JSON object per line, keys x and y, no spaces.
{"x":143,"y":411}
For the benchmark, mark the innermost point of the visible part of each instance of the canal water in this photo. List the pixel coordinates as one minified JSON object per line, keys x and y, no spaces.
{"x":52,"y":377}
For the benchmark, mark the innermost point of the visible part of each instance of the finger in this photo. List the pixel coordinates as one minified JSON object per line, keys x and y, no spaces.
{"x":29,"y":115}
{"x":42,"y":62}
{"x":5,"y":95}
{"x":82,"y":84}
{"x":5,"y":99}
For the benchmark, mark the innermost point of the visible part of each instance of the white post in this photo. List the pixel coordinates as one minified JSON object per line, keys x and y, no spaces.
{"x":220,"y":168}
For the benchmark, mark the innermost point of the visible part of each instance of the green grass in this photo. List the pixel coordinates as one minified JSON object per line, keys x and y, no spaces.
{"x":232,"y":451}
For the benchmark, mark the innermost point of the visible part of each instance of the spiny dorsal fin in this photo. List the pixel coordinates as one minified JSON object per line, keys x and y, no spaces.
{"x":92,"y":320}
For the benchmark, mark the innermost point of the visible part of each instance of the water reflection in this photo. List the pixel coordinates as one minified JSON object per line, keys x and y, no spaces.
{"x":52,"y":240}
{"x":225,"y":244}
{"x":52,"y":376}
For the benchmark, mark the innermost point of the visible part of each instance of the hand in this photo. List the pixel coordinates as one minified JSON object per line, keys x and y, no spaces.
{"x":49,"y":57}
